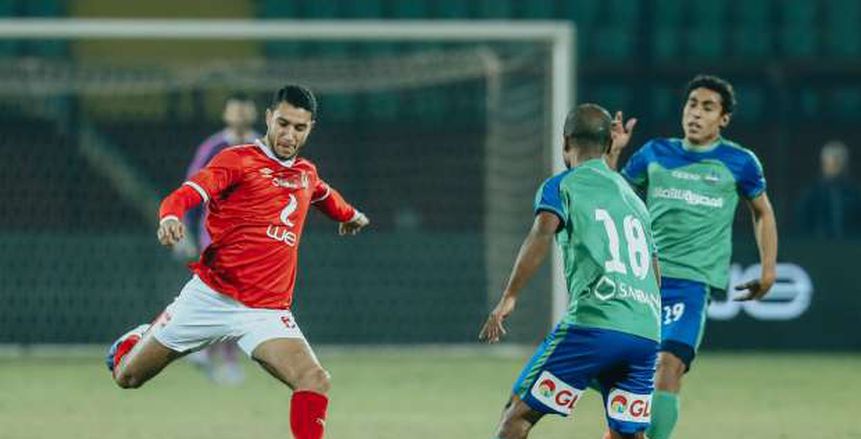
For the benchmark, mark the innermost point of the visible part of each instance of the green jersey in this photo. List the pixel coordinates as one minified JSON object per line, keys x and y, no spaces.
{"x":607,"y":247}
{"x":692,"y":195}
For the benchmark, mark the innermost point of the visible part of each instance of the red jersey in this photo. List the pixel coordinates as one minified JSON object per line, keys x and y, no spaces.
{"x":257,"y":208}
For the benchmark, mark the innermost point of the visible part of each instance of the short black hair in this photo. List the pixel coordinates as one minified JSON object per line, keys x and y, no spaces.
{"x":717,"y":85}
{"x":298,"y":96}
{"x":589,"y":126}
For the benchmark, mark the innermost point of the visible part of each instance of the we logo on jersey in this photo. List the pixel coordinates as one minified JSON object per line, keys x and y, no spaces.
{"x":554,"y":393}
{"x":283,"y":234}
{"x":288,"y":210}
{"x":630,"y":407}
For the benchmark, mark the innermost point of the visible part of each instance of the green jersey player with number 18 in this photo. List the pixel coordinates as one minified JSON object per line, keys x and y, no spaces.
{"x":692,"y":186}
{"x":611,"y":331}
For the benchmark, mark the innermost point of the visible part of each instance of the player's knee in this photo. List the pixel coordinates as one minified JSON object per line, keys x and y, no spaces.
{"x":127,"y":380}
{"x":512,"y":427}
{"x":670,"y":371}
{"x":671,"y":364}
{"x":517,"y":420}
{"x":317,"y":379}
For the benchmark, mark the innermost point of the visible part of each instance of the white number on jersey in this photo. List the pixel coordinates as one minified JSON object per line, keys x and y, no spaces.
{"x":639,"y":258}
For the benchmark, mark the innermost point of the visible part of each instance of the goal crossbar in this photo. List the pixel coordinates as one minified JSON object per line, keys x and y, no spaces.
{"x":560,"y":35}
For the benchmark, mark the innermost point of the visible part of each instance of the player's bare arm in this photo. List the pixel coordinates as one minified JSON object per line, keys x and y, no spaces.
{"x":621,"y":132}
{"x":355,"y":225}
{"x":532,"y":253}
{"x":170,"y":231}
{"x":765,"y":230}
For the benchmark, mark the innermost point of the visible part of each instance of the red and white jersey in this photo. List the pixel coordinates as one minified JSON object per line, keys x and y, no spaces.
{"x":257,"y":208}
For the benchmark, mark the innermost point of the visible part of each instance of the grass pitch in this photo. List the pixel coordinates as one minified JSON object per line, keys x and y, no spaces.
{"x":416,"y":393}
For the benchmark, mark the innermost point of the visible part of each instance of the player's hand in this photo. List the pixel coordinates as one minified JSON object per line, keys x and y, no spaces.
{"x":621,"y":132}
{"x":170,"y":232}
{"x":756,"y":289}
{"x":184,"y":249}
{"x":354,"y":226}
{"x":493,"y":329}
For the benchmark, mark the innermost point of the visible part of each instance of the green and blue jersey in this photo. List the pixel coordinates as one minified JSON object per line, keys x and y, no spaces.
{"x":606,"y":241}
{"x":692,"y":194}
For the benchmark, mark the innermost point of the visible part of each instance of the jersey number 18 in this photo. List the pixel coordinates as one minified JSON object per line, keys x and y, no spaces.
{"x":635,"y":239}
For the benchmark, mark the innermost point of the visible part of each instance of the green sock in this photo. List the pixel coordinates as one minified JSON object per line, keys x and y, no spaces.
{"x":665,"y":413}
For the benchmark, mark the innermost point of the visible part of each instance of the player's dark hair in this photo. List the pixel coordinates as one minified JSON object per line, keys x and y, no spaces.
{"x":717,"y":85}
{"x":297,"y":96}
{"x":588,"y":126}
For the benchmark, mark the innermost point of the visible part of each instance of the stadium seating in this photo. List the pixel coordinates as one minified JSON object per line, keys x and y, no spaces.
{"x":632,"y":55}
{"x":796,"y":39}
{"x":493,"y":9}
{"x":752,"y":32}
{"x":842,"y":33}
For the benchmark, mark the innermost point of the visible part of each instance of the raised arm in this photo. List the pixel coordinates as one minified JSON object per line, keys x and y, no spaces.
{"x":532,"y":253}
{"x":765,"y":230}
{"x":621,"y":134}
{"x":222,"y":172}
{"x":332,"y":204}
{"x":171,"y":230}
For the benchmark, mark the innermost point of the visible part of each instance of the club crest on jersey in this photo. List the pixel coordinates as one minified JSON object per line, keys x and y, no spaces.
{"x":555,"y":393}
{"x":296,"y":183}
{"x":627,"y":406}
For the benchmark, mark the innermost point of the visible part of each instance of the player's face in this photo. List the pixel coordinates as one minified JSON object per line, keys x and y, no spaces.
{"x":239,"y":115}
{"x":287,"y":129}
{"x":703,"y":116}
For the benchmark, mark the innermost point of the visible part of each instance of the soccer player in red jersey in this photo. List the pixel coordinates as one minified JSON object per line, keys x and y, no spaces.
{"x":258,"y":196}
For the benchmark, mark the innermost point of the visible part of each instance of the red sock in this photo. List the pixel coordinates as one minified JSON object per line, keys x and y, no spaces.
{"x":308,"y":414}
{"x":124,"y":349}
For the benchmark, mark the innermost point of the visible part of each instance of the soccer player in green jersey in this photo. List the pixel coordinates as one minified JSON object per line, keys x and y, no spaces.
{"x":610,"y":333}
{"x":692,"y":186}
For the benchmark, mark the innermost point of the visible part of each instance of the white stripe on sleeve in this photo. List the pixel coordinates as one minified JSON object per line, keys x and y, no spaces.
{"x":324,"y":196}
{"x":199,"y":190}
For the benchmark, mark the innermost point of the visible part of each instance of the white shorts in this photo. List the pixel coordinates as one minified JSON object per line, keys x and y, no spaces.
{"x":201,"y":316}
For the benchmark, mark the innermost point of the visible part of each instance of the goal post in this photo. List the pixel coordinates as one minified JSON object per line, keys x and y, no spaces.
{"x":557,"y":36}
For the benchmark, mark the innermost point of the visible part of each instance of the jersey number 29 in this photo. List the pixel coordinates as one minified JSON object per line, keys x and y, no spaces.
{"x":635,"y":238}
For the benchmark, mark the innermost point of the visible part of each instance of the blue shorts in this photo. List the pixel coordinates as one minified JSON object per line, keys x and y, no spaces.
{"x":683,"y":317}
{"x":571,"y":357}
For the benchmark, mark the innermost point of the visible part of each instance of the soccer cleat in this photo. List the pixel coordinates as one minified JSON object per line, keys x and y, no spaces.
{"x":123,"y":345}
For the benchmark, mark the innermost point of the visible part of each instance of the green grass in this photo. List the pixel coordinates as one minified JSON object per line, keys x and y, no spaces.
{"x":417,"y":394}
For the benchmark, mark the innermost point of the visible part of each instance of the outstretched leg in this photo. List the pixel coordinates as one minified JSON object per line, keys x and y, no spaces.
{"x":517,"y":419}
{"x":137,"y":357}
{"x":292,"y":361}
{"x":665,"y":405}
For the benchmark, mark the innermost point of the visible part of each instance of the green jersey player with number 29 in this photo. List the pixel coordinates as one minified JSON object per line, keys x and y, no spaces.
{"x":692,"y":187}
